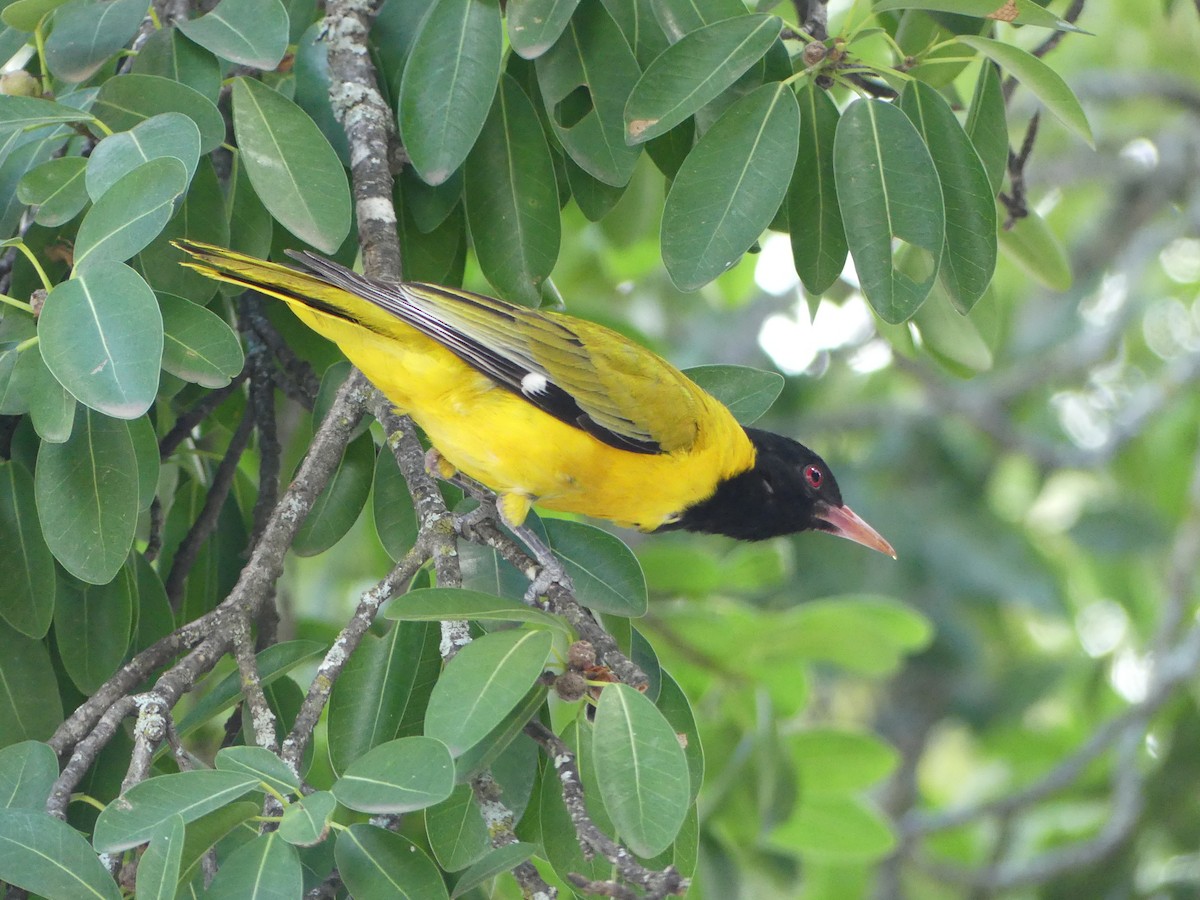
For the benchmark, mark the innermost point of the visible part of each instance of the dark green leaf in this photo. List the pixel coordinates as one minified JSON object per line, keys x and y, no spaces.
{"x":1018,"y":12}
{"x":502,"y":859}
{"x":204,"y":832}
{"x":585,"y":79}
{"x":439,"y":604}
{"x":27,"y":601}
{"x":92,"y":626}
{"x":57,"y":188}
{"x":449,"y":81}
{"x":641,"y":768}
{"x":987,"y":124}
{"x":48,"y":857}
{"x":306,"y":821}
{"x":265,"y":868}
{"x":30,"y":708}
{"x":594,"y":198}
{"x":730,"y":186}
{"x":158,"y":868}
{"x":383,"y":691}
{"x":28,"y":771}
{"x":636,"y":19}
{"x":87,"y":32}
{"x":377,"y":864}
{"x":500,"y":740}
{"x":679,"y":19}
{"x":888,"y":192}
{"x":512,"y":198}
{"x":124,"y":102}
{"x":457,"y":833}
{"x":339,"y":505}
{"x":1042,"y":81}
{"x":430,"y":204}
{"x":392,"y":507}
{"x":21,"y":113}
{"x":748,"y":392}
{"x":534,"y":25}
{"x":294,"y":170}
{"x":692,"y":72}
{"x":673,"y":703}
{"x":168,"y":54}
{"x":560,"y":846}
{"x":484,"y":681}
{"x":606,"y":574}
{"x":50,"y":407}
{"x":133,"y":818}
{"x":398,"y":776}
{"x":262,"y":763}
{"x":130,"y":214}
{"x":249,"y":32}
{"x":311,"y":65}
{"x":198,"y":345}
{"x":87,"y":496}
{"x":166,"y":134}
{"x":145,"y":449}
{"x":969,"y":258}
{"x":814,"y":217}
{"x":101,"y":336}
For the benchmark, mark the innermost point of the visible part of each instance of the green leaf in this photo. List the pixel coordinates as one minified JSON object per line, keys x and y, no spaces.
{"x":23,"y":113}
{"x":502,"y":859}
{"x":271,"y":663}
{"x":30,"y":707}
{"x":398,"y":776}
{"x":833,"y":828}
{"x":440,"y":604}
{"x":835,"y":761}
{"x":145,"y":449}
{"x":641,"y":768}
{"x":987,"y":124}
{"x":1045,"y":84}
{"x":484,"y":681}
{"x":28,"y":771}
{"x":456,"y":831}
{"x":636,"y":19}
{"x":512,"y":197}
{"x":87,"y":496}
{"x":951,"y":337}
{"x":48,"y":857}
{"x":392,"y":507}
{"x":130,"y":214}
{"x":673,"y":703}
{"x":57,"y":188}
{"x":291,"y":164}
{"x":1018,"y":12}
{"x":168,"y":54}
{"x":1033,"y":245}
{"x":607,"y":576}
{"x":51,"y":407}
{"x":887,"y":185}
{"x":814,"y":216}
{"x":377,"y":864}
{"x":383,"y":691}
{"x":101,"y":336}
{"x":730,"y":186}
{"x":248,"y":32}
{"x":166,"y":134}
{"x":203,"y":834}
{"x":158,"y":868}
{"x":339,"y":505}
{"x":262,"y":763}
{"x":695,"y":70}
{"x":198,"y":345}
{"x":124,"y":102}
{"x":92,"y":626}
{"x":306,"y":822}
{"x":585,"y":80}
{"x":680,"y":19}
{"x":87,"y":33}
{"x":560,"y":845}
{"x":492,"y":749}
{"x":746,"y":391}
{"x":449,"y":81}
{"x":534,"y":25}
{"x":134,"y":817}
{"x":866,"y":634}
{"x":969,"y":257}
{"x":594,"y":198}
{"x":27,"y":601}
{"x":265,"y":868}
{"x":430,"y":204}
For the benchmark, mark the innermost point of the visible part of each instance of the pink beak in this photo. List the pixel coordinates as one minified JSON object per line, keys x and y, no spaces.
{"x":845,"y":523}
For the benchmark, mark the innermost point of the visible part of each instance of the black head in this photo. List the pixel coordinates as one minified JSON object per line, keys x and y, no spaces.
{"x":789,"y":489}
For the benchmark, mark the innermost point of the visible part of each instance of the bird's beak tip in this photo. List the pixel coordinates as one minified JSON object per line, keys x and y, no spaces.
{"x":844,"y":522}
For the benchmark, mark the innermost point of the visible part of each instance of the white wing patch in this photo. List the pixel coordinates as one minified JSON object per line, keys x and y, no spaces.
{"x":534,"y":383}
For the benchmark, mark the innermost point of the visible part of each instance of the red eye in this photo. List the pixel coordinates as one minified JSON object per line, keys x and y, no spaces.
{"x":813,"y":476}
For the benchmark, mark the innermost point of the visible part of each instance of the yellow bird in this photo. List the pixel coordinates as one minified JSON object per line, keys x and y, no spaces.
{"x":548,"y":409}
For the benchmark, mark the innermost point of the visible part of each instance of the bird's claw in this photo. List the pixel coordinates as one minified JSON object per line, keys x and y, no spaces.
{"x":551,"y":572}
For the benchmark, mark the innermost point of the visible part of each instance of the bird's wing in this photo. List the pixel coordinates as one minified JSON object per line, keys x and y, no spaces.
{"x":581,"y":373}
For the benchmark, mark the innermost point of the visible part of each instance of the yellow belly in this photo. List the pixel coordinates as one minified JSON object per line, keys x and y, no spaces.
{"x":506,"y":443}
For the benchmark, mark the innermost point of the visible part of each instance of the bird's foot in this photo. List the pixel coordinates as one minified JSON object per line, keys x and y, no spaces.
{"x":514,"y":507}
{"x":438,"y":465}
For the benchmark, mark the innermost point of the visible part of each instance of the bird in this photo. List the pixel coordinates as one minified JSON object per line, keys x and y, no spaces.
{"x":553,"y":410}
